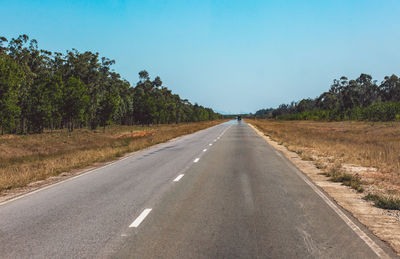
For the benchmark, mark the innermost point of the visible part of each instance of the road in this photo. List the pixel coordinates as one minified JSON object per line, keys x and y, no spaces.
{"x":222,"y":192}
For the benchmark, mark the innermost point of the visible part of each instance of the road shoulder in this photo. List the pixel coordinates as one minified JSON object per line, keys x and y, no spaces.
{"x":385,"y":227}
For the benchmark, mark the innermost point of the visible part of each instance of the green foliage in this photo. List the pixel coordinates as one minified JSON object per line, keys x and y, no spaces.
{"x":75,"y":102}
{"x":107,"y":107}
{"x":337,"y":175}
{"x":40,"y":89}
{"x":11,"y":78}
{"x":353,"y":181}
{"x":384,"y":202}
{"x":382,"y":111}
{"x":360,"y":99}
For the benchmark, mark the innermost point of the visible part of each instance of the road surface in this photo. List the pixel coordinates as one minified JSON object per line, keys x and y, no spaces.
{"x":222,"y":192}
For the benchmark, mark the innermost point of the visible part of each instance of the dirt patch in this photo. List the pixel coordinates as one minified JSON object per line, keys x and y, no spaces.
{"x":135,"y":134}
{"x":385,"y":224}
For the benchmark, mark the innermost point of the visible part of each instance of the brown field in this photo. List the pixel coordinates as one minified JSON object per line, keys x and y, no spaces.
{"x":369,"y":151}
{"x":28,"y":158}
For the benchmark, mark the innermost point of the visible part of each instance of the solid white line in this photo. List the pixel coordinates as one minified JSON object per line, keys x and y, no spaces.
{"x":374,"y":247}
{"x":62,"y":181}
{"x":132,"y":154}
{"x":139,"y":219}
{"x":196,"y":160}
{"x":178,"y":178}
{"x":204,"y":150}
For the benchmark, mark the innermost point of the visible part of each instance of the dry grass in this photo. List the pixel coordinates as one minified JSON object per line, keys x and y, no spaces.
{"x":29,"y":158}
{"x":364,"y":144}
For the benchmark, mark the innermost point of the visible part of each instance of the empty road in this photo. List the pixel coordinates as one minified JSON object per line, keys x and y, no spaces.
{"x":222,"y":192}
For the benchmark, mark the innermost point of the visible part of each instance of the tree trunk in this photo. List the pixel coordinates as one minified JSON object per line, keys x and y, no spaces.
{"x":22,"y":125}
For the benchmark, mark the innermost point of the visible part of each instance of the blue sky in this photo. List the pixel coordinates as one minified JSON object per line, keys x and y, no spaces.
{"x":233,"y":56}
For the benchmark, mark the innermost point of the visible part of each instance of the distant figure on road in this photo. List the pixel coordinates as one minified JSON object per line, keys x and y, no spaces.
{"x":239,"y":118}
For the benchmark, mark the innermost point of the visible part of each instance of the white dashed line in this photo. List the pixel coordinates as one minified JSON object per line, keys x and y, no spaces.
{"x":139,"y":219}
{"x":204,"y":150}
{"x":196,"y":160}
{"x":210,"y":144}
{"x":178,"y":178}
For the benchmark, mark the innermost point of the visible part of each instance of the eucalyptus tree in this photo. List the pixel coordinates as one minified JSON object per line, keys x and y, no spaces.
{"x":75,"y":98}
{"x":390,"y":88}
{"x":41,"y":89}
{"x":11,"y":79}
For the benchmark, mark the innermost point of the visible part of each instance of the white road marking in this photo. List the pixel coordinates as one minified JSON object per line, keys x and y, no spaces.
{"x":66,"y":180}
{"x":279,"y":154}
{"x":84,"y":172}
{"x":210,"y":144}
{"x":223,"y":132}
{"x":215,"y":140}
{"x":178,"y":178}
{"x":139,"y":219}
{"x":374,"y":247}
{"x":204,"y":150}
{"x":196,"y":160}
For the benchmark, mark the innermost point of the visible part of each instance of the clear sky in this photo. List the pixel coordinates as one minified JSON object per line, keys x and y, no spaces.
{"x":233,"y":56}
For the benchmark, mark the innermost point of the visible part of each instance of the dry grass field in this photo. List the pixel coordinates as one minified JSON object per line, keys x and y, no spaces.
{"x":28,"y":158}
{"x":365,"y":152}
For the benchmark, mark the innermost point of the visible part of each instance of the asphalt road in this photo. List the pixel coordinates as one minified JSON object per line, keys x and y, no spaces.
{"x":219,"y":193}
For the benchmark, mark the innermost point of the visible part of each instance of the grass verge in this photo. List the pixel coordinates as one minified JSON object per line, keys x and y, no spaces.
{"x":336,"y":174}
{"x":384,"y":202}
{"x":29,"y":158}
{"x":368,"y":153}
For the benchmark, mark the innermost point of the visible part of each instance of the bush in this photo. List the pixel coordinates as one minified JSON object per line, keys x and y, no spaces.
{"x":383,"y":202}
{"x":336,"y":174}
{"x":381,"y":111}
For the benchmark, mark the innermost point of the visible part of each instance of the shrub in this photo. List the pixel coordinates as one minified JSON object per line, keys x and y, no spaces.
{"x":384,"y":202}
{"x":337,"y":175}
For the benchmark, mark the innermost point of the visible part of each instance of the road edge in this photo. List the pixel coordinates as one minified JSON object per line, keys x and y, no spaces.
{"x":50,"y":182}
{"x":317,"y":181}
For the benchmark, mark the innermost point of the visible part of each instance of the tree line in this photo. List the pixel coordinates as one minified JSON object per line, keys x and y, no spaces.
{"x":359,"y":99}
{"x":41,"y":90}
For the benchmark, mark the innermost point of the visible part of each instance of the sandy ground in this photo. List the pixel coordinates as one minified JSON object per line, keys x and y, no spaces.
{"x":385,"y":224}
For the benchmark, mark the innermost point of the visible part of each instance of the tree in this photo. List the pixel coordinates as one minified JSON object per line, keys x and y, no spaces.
{"x":390,"y":89}
{"x":11,"y":78}
{"x":157,"y":82}
{"x":144,"y":75}
{"x":41,"y":89}
{"x":75,"y":101}
{"x":107,"y":107}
